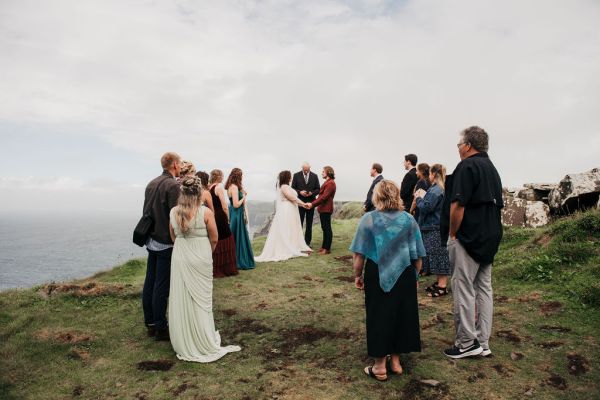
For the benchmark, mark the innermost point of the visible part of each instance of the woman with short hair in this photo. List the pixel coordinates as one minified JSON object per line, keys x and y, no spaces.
{"x":388,"y":246}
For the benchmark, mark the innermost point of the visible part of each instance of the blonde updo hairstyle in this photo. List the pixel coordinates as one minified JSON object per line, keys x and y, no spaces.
{"x":386,"y":196}
{"x":187,"y":168}
{"x":189,"y":200}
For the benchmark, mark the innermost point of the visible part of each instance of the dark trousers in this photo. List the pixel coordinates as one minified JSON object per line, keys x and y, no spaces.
{"x":327,"y":232}
{"x":310,"y":215}
{"x":156,"y":288}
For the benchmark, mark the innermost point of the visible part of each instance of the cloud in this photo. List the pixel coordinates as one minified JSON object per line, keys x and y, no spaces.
{"x":264,"y":85}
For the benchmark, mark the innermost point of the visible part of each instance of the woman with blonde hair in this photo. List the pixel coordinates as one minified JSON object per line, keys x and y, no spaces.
{"x":237,"y":219}
{"x":194,"y":233}
{"x":224,"y":260}
{"x":430,"y":208}
{"x":388,"y":246}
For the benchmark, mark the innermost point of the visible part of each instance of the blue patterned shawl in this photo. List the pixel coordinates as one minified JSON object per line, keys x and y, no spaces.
{"x":391,"y":239}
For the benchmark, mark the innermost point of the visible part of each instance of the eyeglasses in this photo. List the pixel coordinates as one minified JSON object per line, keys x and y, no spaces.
{"x":460,"y":144}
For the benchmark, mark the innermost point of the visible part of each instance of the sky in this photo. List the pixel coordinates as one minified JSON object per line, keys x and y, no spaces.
{"x":92,"y":93}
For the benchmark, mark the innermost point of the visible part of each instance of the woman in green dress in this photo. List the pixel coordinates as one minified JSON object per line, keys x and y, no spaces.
{"x":238,"y":217}
{"x":191,"y":322}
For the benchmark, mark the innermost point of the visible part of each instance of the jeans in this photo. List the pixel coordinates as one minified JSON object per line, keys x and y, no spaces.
{"x":309,"y":214}
{"x":155,"y":294}
{"x":327,"y":232}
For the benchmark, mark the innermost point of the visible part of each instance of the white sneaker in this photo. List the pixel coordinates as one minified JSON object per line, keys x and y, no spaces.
{"x":485,"y":353}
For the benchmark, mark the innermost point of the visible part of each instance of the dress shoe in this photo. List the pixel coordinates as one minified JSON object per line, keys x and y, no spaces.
{"x":151,"y":330}
{"x":162,"y":335}
{"x":324,"y":251}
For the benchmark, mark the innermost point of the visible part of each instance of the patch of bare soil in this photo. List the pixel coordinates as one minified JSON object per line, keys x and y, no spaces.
{"x":551,"y":344}
{"x":544,"y":240}
{"x":182,"y":388}
{"x":418,"y":390}
{"x":155,"y":365}
{"x":261,"y":305}
{"x":79,"y":354}
{"x":577,"y":365}
{"x":503,"y":370}
{"x":291,"y":339}
{"x":345,"y":278}
{"x":230,"y":312}
{"x":501,"y":299}
{"x":435,"y":320}
{"x":62,"y":336}
{"x":77,"y":391}
{"x":516,"y":356}
{"x":551,"y":328}
{"x":476,"y":377}
{"x":509,"y":335}
{"x":247,"y":325}
{"x":347,"y":260}
{"x":88,"y":289}
{"x":556,"y":381}
{"x":338,"y":295}
{"x":530,"y":297}
{"x":550,"y":307}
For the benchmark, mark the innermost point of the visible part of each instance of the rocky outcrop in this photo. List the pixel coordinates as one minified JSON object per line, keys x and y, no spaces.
{"x":576,"y":192}
{"x":525,"y":213}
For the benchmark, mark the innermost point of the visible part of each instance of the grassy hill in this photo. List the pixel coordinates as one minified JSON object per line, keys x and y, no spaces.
{"x":301,"y":327}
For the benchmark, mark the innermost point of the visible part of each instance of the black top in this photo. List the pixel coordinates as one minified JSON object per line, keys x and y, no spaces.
{"x":369,"y":201}
{"x":220,"y":216}
{"x":475,"y":185}
{"x":299,"y":184}
{"x":164,"y":199}
{"x":407,"y":187}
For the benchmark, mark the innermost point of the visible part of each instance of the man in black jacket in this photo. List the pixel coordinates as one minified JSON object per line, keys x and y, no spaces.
{"x":376,"y":171}
{"x":161,"y":195}
{"x":306,"y":184}
{"x":409,"y":181}
{"x":471,"y":219}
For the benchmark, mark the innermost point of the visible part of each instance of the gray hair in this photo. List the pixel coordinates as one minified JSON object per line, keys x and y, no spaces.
{"x":476,"y":137}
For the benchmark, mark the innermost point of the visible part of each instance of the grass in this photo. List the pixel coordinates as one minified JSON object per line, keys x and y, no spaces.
{"x":301,"y":327}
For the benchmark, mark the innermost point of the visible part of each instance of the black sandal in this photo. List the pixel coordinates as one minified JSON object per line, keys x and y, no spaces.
{"x":439,"y":292}
{"x":370,"y":373}
{"x":432,"y":288}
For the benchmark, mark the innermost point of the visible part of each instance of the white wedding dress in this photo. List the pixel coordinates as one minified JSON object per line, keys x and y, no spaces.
{"x":285,"y":239}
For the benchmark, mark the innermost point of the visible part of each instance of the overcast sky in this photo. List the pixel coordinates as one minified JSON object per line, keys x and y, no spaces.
{"x":93,"y":92}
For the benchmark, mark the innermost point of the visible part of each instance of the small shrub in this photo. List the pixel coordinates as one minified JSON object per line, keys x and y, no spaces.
{"x":541,"y":268}
{"x":580,"y":227}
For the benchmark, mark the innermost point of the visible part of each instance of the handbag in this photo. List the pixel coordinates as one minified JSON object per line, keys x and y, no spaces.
{"x":142,"y":230}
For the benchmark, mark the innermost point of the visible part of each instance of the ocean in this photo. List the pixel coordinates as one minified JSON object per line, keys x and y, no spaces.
{"x":37,"y":249}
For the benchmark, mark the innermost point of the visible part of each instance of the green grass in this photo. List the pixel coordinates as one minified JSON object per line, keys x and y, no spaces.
{"x":301,"y":328}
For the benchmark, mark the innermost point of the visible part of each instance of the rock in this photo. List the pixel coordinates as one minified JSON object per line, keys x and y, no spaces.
{"x":576,"y":192}
{"x":537,"y":191}
{"x":430,"y":382}
{"x":524,"y":213}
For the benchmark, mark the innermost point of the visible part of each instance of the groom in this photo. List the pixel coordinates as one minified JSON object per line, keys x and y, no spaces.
{"x":306,"y":184}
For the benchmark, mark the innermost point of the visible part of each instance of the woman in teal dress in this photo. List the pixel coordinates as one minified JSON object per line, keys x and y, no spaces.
{"x":237,"y":215}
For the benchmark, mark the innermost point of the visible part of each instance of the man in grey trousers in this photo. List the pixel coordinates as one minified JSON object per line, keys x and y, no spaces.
{"x":473,"y":203}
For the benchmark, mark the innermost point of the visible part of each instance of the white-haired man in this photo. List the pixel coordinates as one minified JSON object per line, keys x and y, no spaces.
{"x":306,"y":184}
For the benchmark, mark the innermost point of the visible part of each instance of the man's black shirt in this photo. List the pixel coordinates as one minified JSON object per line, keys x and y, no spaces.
{"x":476,"y":185}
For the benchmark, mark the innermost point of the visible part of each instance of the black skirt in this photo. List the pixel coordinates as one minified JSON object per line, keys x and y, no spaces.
{"x":393,"y":317}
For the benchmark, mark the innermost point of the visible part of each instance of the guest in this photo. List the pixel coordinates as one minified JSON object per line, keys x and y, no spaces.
{"x":191,"y":323}
{"x":429,"y":205}
{"x":238,"y":220}
{"x":409,"y":181}
{"x":324,"y":204}
{"x":376,"y":171}
{"x":224,"y":261}
{"x":474,"y":200}
{"x":187,"y":169}
{"x":389,"y":240}
{"x":422,"y":183}
{"x":306,"y":184}
{"x":206,"y":196}
{"x":161,"y":195}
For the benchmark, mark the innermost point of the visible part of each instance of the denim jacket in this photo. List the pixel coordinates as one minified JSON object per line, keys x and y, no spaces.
{"x":430,"y":208}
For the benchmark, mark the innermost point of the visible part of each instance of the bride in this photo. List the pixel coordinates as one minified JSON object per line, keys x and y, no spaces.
{"x":285,"y":239}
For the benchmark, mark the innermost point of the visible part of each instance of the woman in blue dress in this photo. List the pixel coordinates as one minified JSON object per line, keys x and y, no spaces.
{"x":237,"y":215}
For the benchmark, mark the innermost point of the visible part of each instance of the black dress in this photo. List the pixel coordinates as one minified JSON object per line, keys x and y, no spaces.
{"x":224,"y":260}
{"x":393,"y":317}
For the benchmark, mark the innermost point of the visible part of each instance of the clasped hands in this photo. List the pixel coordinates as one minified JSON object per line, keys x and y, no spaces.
{"x":308,"y":206}
{"x":305,"y":193}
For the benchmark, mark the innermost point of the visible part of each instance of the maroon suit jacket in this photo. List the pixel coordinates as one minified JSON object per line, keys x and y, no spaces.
{"x":325,"y":199}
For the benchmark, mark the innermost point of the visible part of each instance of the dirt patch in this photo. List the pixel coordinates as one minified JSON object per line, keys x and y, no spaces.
{"x":474,"y":378}
{"x":155,"y":365}
{"x":417,"y":390}
{"x":577,"y":365}
{"x":515,"y":356}
{"x":77,"y":391}
{"x":182,"y":388}
{"x":556,"y":381}
{"x":530,"y":297}
{"x":88,"y":289}
{"x":247,"y":325}
{"x":551,"y":344}
{"x":544,"y":240}
{"x":261,"y":305}
{"x":551,"y":328}
{"x":291,"y":339}
{"x":230,"y":312}
{"x":503,"y":370}
{"x":435,"y":320}
{"x":347,"y":260}
{"x":338,"y":295}
{"x":79,"y":354}
{"x":307,"y":278}
{"x":550,"y":307}
{"x":345,"y":278}
{"x":62,"y":336}
{"x":501,"y":299}
{"x":509,"y":335}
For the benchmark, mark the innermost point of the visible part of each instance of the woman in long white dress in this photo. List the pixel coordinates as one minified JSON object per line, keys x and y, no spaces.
{"x":191,"y":322}
{"x":285,"y":239}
